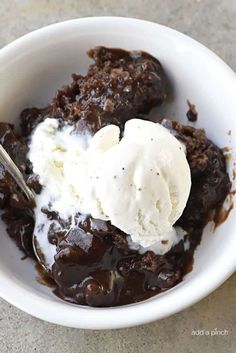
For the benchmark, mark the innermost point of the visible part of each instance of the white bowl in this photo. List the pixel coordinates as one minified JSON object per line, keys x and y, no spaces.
{"x":34,"y":66}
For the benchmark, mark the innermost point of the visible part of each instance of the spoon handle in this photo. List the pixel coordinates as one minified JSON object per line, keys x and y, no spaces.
{"x":10,"y":166}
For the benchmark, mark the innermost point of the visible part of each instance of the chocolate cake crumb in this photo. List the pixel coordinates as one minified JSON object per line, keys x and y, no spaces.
{"x":192,"y":113}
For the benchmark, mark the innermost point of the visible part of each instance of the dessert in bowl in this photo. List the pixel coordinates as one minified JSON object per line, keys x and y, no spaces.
{"x":112,"y":245}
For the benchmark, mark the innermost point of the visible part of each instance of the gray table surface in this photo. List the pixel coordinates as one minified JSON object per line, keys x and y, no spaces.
{"x":212,"y":22}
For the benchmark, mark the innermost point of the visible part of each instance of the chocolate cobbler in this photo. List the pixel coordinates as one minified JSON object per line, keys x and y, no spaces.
{"x":119,"y":86}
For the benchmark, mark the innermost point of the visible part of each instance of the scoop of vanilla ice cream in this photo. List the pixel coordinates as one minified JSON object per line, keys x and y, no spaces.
{"x":140,"y":183}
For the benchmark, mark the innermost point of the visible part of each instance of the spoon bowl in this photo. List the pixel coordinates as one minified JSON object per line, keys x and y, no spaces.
{"x":16,"y":174}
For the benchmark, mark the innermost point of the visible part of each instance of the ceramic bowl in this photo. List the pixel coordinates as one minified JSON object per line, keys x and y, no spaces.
{"x":34,"y":66}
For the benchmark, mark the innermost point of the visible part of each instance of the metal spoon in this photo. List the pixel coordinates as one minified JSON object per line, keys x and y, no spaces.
{"x":16,"y":174}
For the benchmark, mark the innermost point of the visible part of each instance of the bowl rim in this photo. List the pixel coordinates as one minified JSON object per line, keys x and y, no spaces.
{"x":135,"y":314}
